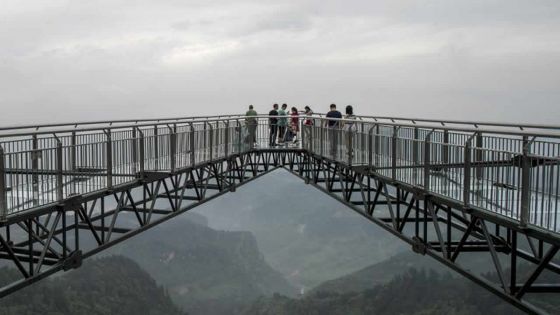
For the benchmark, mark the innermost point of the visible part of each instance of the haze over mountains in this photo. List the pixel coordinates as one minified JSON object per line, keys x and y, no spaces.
{"x":302,"y":232}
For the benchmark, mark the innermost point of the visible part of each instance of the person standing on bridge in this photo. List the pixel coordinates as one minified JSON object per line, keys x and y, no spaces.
{"x":251,"y":122}
{"x":333,"y":126}
{"x":282,"y":123}
{"x":308,"y":112}
{"x":273,"y":125}
{"x":349,"y":130}
{"x":307,"y":125}
{"x":294,"y":124}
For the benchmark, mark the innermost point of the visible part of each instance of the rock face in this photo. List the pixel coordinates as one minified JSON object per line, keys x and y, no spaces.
{"x":306,"y":235}
{"x":205,"y":271}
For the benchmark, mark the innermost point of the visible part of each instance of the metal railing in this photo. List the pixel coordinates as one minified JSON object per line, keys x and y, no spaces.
{"x":505,"y":170}
{"x":41,"y":168}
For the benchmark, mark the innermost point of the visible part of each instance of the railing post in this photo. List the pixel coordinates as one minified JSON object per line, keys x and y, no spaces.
{"x":427,"y":154}
{"x":109,"y":158}
{"x":156,"y":147}
{"x":191,"y":136}
{"x":467,"y":172}
{"x":322,"y":139}
{"x":479,"y":156}
{"x":226,"y":140}
{"x":73,"y":157}
{"x":310,"y":136}
{"x":445,"y":148}
{"x":172,"y":148}
{"x":303,"y":134}
{"x":35,"y":153}
{"x":415,"y":152}
{"x":525,"y":183}
{"x":134,"y":150}
{"x":394,"y":152}
{"x":141,"y":151}
{"x":59,"y":179}
{"x":204,"y":141}
{"x":370,"y":146}
{"x":377,"y":144}
{"x":3,"y":190}
{"x":362,"y":142}
{"x":349,"y":145}
{"x":239,"y":138}
{"x":211,"y":141}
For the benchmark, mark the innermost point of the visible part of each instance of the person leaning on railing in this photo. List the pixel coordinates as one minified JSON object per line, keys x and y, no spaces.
{"x":333,"y":126}
{"x":251,"y":122}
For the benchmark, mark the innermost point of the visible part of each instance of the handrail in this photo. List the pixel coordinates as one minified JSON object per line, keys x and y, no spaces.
{"x":111,"y":122}
{"x":475,"y":124}
{"x":233,"y":117}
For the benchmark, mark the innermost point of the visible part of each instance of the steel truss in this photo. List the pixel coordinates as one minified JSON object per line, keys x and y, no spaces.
{"x":42,"y":242}
{"x":445,"y":229}
{"x":47,"y":240}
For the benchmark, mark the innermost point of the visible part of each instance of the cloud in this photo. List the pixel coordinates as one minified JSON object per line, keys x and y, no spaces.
{"x":492,"y":59}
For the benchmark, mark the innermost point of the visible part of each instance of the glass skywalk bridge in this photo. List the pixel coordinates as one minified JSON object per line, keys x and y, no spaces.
{"x":510,"y":170}
{"x":436,"y":184}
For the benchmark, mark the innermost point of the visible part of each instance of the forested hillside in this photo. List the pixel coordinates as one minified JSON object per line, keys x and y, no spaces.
{"x":413,"y":292}
{"x":109,"y":285}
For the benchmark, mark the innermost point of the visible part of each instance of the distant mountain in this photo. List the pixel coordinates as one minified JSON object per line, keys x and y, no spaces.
{"x":413,"y":292}
{"x":302,"y":232}
{"x":406,"y":283}
{"x":204,"y":270}
{"x":385,"y":271}
{"x":377,"y":274}
{"x":109,"y":285}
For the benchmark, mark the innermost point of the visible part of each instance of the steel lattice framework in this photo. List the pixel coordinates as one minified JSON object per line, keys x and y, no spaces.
{"x":448,"y":188}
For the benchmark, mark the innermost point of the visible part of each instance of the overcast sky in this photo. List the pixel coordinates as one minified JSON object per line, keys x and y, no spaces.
{"x":79,"y":60}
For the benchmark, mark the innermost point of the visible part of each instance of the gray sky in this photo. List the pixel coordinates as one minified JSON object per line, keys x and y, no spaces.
{"x":489,"y":60}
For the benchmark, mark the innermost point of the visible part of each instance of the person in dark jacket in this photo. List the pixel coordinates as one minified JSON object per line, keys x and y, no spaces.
{"x":273,"y":125}
{"x":333,"y":126}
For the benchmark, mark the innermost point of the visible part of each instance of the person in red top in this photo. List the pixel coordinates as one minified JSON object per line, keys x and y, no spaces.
{"x":308,"y":112}
{"x":294,"y":123}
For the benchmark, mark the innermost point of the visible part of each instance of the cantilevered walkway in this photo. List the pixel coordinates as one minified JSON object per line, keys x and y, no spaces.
{"x":448,"y":188}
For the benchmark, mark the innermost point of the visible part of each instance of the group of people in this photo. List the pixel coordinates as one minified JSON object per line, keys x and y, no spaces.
{"x":284,"y":124}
